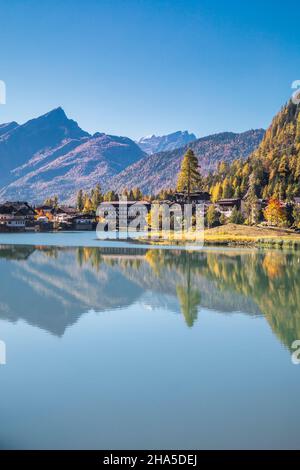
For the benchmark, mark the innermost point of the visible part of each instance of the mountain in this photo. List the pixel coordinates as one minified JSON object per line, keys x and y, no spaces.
{"x":7,"y":127}
{"x":65,"y":274}
{"x":276,"y":162}
{"x":32,"y":139}
{"x":53,"y":155}
{"x":159,"y":171}
{"x":273,"y":169}
{"x":229,"y":281}
{"x":153,"y":144}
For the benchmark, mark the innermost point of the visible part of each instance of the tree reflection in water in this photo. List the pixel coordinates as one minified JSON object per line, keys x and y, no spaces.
{"x":251,"y":281}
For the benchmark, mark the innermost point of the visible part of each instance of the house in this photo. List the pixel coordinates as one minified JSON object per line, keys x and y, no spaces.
{"x":197,"y":197}
{"x":124,"y":210}
{"x":15,"y":216}
{"x":226,"y":206}
{"x":19,"y":208}
{"x":83,"y":221}
{"x":64,"y":214}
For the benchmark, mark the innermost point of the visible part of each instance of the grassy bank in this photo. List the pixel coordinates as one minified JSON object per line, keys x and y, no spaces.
{"x":232,"y":234}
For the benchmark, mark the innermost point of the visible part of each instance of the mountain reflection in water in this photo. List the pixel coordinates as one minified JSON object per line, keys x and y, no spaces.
{"x":51,"y":287}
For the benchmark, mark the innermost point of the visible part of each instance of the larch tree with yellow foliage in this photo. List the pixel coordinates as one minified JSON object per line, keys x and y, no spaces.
{"x":275,"y":213}
{"x":189,"y":178}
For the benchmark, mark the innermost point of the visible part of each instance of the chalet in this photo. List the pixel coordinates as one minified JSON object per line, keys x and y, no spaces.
{"x":64,"y":214}
{"x":226,"y":206}
{"x":123,"y":209}
{"x":83,"y":221}
{"x":15,"y":216}
{"x":22,"y":207}
{"x":199,"y":197}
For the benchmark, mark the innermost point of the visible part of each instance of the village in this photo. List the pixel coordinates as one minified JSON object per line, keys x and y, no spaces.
{"x":21,"y":216}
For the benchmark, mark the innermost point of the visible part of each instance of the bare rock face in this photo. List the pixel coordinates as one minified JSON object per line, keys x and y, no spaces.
{"x":153,"y":143}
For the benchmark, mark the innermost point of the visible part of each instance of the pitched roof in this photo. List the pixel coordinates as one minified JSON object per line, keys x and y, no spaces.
{"x":18,"y":206}
{"x":229,"y":200}
{"x":66,"y":210}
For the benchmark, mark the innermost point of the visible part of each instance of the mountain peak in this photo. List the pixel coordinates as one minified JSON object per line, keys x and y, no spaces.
{"x":153,"y":144}
{"x":159,"y":170}
{"x":20,"y":143}
{"x":56,"y":113}
{"x":56,"y":122}
{"x":7,"y":127}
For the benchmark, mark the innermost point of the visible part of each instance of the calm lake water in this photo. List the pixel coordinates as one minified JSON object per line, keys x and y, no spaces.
{"x":115,"y":346}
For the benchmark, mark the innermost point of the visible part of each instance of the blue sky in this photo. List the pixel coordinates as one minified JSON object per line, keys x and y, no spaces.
{"x":138,"y":67}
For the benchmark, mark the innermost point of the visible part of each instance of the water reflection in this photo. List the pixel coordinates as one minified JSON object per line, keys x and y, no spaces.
{"x":51,"y":287}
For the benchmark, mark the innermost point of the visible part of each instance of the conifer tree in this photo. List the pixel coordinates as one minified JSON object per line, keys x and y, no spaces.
{"x":110,"y":196}
{"x":80,"y":202}
{"x":96,"y":197}
{"x":88,"y":206}
{"x":236,"y":217}
{"x":251,"y":203}
{"x":227,"y":191}
{"x":137,"y":194}
{"x":212,"y":217}
{"x":189,"y":178}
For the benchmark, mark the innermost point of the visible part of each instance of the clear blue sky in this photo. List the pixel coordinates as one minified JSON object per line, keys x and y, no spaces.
{"x":150,"y":66}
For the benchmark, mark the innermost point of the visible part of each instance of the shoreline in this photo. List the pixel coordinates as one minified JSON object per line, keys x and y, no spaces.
{"x":230,"y":235}
{"x":237,"y":235}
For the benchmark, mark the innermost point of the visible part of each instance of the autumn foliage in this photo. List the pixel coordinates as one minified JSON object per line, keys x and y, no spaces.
{"x":275,"y":213}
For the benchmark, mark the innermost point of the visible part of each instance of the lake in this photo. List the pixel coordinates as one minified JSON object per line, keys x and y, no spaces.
{"x":117,"y":346}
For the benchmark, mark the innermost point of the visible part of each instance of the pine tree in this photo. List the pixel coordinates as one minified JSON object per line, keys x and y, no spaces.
{"x":189,"y":178}
{"x":283,"y":166}
{"x":223,"y":219}
{"x":296,"y":216}
{"x":137,"y":194}
{"x":236,"y":217}
{"x":216,"y":192}
{"x":51,"y":201}
{"x":87,"y":204}
{"x":212,"y":217}
{"x":130,"y":195}
{"x":251,"y":202}
{"x":80,"y":202}
{"x":223,"y":168}
{"x":96,"y":197}
{"x":227,"y":191}
{"x":110,"y":196}
{"x":274,"y":165}
{"x":298,"y":129}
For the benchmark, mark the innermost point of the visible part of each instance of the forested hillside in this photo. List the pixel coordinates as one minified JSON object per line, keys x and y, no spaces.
{"x":272,"y":170}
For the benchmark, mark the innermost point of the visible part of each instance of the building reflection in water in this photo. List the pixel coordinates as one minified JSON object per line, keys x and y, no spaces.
{"x":55,"y":286}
